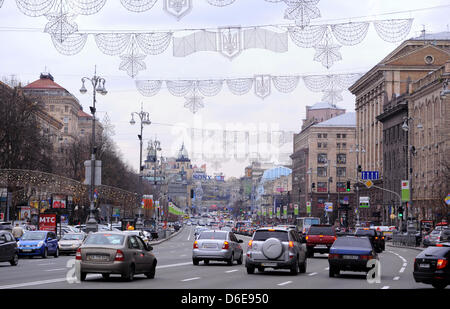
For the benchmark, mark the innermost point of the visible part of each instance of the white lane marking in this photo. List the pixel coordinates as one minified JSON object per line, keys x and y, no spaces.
{"x":404,"y":264}
{"x":20,"y":285}
{"x":173,"y":265}
{"x":396,"y":278}
{"x":190,"y":279}
{"x":402,"y":269}
{"x":56,"y":269}
{"x":312,"y":274}
{"x":385,"y":287}
{"x":189,"y":236}
{"x":284,"y":283}
{"x":232,"y":271}
{"x":328,"y":268}
{"x":46,"y":264}
{"x":183,"y":255}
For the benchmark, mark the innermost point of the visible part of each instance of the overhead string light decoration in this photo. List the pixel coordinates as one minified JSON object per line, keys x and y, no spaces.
{"x":1,"y":3}
{"x":331,"y":85}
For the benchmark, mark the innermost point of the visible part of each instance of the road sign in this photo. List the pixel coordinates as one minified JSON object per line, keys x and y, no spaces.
{"x":392,"y":216}
{"x":328,"y":207}
{"x":370,"y":175}
{"x":369,"y":183}
{"x":364,"y":202}
{"x":447,"y":200}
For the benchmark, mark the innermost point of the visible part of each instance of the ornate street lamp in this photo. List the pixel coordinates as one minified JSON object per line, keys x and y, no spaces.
{"x":98,"y":86}
{"x":144,"y":118}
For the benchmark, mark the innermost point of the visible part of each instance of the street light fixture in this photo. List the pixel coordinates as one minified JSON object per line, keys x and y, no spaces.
{"x":145,"y":120}
{"x":98,"y":85}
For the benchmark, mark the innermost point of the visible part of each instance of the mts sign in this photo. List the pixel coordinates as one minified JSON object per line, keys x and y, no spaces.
{"x":47,"y":222}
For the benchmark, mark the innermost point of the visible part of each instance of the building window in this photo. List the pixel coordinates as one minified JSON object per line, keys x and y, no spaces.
{"x":319,"y":135}
{"x":341,"y":158}
{"x":66,"y":129}
{"x":341,"y":186}
{"x":324,"y":145}
{"x":322,"y":187}
{"x":344,"y":145}
{"x":319,"y":145}
{"x":338,"y":136}
{"x":341,"y":172}
{"x":344,"y":136}
{"x":52,"y":108}
{"x":324,"y":135}
{"x":322,"y":171}
{"x":66,"y":109}
{"x":338,"y":146}
{"x":322,"y":158}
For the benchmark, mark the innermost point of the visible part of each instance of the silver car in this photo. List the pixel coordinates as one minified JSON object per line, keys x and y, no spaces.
{"x":278,"y":248}
{"x":218,"y":246}
{"x":70,"y":242}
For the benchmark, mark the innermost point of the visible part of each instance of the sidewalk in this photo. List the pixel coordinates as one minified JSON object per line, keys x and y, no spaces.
{"x":405,"y":247}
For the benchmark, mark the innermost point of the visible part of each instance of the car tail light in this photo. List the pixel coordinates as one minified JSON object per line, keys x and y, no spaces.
{"x":119,"y":256}
{"x":291,"y":244}
{"x":78,"y":255}
{"x":306,"y":237}
{"x":441,"y":264}
{"x":376,"y":237}
{"x":335,"y":237}
{"x":333,"y":256}
{"x":439,"y":245}
{"x":366,"y":257}
{"x":195,"y":244}
{"x":226,"y":245}
{"x":250,"y":244}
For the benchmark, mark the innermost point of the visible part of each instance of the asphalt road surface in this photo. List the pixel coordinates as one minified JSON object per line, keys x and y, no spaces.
{"x":176,"y":271}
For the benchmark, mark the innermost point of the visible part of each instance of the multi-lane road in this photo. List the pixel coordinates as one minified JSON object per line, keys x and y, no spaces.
{"x":176,"y":271}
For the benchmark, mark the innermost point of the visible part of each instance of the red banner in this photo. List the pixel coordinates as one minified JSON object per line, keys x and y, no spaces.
{"x":47,"y":222}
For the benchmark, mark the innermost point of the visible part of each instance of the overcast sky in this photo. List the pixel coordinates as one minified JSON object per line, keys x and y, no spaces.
{"x":26,"y":54}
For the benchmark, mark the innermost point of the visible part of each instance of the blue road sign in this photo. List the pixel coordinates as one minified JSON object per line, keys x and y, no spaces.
{"x":370,"y":175}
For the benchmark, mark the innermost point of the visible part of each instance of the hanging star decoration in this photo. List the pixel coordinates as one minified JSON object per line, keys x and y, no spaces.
{"x":60,"y":26}
{"x":327,"y":51}
{"x":194,"y":102}
{"x":302,"y":11}
{"x":133,"y":61}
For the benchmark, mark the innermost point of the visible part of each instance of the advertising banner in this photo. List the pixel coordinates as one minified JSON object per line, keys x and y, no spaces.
{"x":308,"y":207}
{"x":25,"y":213}
{"x":405,"y":191}
{"x":59,"y":202}
{"x":296,"y":209}
{"x":47,"y":222}
{"x":270,"y":212}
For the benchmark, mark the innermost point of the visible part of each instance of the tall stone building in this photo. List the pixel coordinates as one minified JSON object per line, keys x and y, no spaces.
{"x":409,"y":62}
{"x":323,"y":163}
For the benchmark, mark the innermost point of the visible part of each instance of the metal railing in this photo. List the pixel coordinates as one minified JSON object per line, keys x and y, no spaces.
{"x":407,"y":240}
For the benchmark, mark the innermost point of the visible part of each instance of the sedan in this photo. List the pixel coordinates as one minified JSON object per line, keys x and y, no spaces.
{"x":121,"y":253}
{"x":70,"y":242}
{"x":38,"y":243}
{"x":350,"y":253}
{"x":219,"y":246}
{"x":432,"y":266}
{"x":8,"y":248}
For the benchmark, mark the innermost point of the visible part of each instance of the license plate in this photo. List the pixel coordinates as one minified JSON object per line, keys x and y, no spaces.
{"x":209,"y":246}
{"x":97,"y":258}
{"x":351,"y":257}
{"x":27,"y":250}
{"x":321,"y":246}
{"x":424,"y":265}
{"x":269,"y":264}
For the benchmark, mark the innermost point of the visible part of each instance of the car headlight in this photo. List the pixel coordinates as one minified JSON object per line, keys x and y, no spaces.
{"x":40,"y":244}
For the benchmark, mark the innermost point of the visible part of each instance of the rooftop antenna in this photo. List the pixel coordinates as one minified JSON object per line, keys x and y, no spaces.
{"x":423,"y":33}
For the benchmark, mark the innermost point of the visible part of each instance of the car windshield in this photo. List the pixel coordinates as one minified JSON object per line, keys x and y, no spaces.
{"x":72,"y":237}
{"x":321,"y":230}
{"x":265,"y":234}
{"x":34,"y":236}
{"x":310,"y":221}
{"x":213,"y":235}
{"x":354,"y":242}
{"x":105,"y":239}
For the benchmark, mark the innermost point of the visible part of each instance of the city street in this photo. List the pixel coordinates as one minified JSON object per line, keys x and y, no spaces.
{"x":176,"y":271}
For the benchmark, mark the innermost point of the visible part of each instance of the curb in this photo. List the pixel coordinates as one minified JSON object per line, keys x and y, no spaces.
{"x":166,"y":239}
{"x":406,"y":247}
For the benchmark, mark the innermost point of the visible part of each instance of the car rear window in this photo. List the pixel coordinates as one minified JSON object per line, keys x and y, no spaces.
{"x":354,"y":242}
{"x":365,"y":232}
{"x":321,"y":230}
{"x":213,"y":235}
{"x":105,"y":239}
{"x":264,"y":235}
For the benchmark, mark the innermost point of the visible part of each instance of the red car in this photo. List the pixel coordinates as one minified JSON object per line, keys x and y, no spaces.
{"x":319,"y":238}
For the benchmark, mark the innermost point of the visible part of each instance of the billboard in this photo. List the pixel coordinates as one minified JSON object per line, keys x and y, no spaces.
{"x":47,"y":222}
{"x":59,"y":202}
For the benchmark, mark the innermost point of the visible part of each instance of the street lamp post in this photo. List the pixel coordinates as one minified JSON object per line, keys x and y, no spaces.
{"x":98,"y":85}
{"x":358,"y":149}
{"x":144,"y":120}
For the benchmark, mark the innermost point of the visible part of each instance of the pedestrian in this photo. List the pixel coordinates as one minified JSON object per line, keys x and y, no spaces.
{"x":17,"y":231}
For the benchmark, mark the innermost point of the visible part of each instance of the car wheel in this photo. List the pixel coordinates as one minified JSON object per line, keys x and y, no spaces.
{"x":151,"y":274}
{"x":206,"y":262}
{"x":250,"y":270}
{"x":303,"y":267}
{"x":105,"y":276}
{"x":261,"y":269}
{"x":45,"y":254}
{"x":331,"y":272}
{"x":439,"y":285}
{"x":195,"y":261}
{"x":130,"y":274}
{"x":56,"y":253}
{"x":15,"y":260}
{"x":231,"y":260}
{"x":295,"y":268}
{"x":83,"y":276}
{"x":241,"y":258}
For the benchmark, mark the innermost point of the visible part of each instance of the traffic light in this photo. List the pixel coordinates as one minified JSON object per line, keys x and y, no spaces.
{"x":359,"y":169}
{"x":348,"y":186}
{"x":400,"y":212}
{"x":313,"y":185}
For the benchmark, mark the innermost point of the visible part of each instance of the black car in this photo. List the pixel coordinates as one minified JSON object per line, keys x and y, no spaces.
{"x":8,"y":248}
{"x":432,"y":266}
{"x":381,"y":240}
{"x":372,"y":235}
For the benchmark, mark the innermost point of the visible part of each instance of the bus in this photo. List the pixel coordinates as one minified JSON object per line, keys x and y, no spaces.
{"x":304,"y":223}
